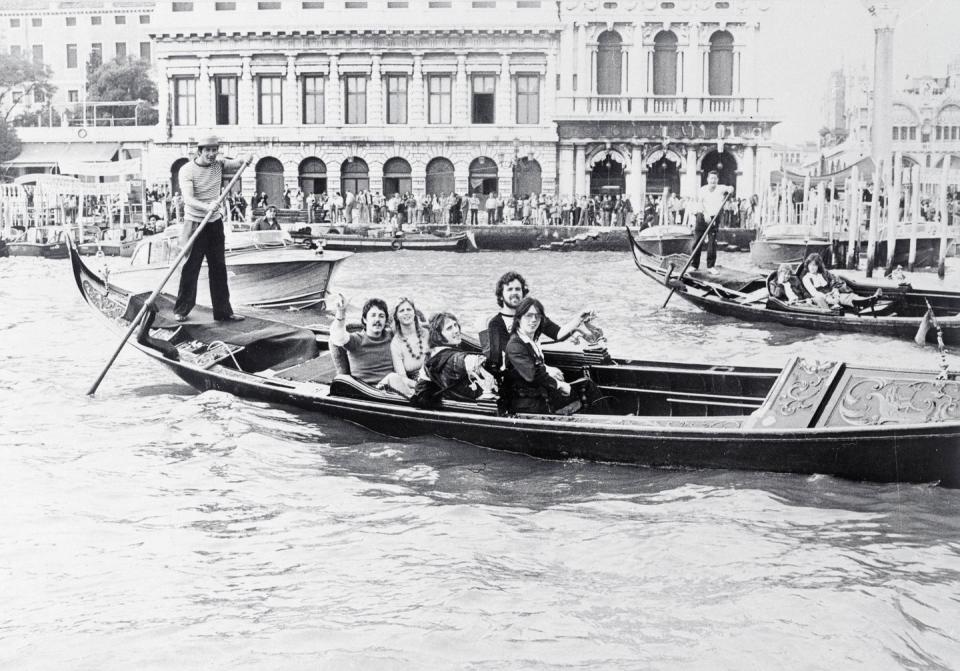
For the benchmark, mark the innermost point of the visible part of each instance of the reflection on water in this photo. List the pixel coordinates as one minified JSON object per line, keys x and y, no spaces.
{"x":158,"y":528}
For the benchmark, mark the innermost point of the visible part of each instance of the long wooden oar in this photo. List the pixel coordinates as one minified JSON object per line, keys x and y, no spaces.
{"x":173,"y":268}
{"x":693,"y":252}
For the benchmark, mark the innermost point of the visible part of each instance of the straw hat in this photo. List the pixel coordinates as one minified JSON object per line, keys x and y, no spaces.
{"x":208,"y":141}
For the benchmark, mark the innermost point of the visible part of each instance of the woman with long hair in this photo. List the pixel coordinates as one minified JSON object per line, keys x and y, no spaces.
{"x":409,"y":345}
{"x":828,"y":291}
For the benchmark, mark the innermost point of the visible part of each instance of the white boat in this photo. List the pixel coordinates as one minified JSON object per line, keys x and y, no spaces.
{"x":265,"y":269}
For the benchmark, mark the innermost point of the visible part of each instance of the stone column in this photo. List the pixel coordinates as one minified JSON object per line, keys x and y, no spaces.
{"x":376,"y":102}
{"x":246,"y":96}
{"x":461,"y":93}
{"x":638,"y":63}
{"x":204,"y":95}
{"x":549,"y":104}
{"x":291,"y":94}
{"x":747,"y":179}
{"x":333,"y":105}
{"x":579,"y":170}
{"x":164,"y":102}
{"x":691,"y":184}
{"x":885,"y":16}
{"x":637,"y":185}
{"x":566,"y":171}
{"x":693,"y":75}
{"x":505,"y":116}
{"x":417,"y":95}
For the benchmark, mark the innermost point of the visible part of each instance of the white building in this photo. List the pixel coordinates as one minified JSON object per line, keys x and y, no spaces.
{"x":490,"y":95}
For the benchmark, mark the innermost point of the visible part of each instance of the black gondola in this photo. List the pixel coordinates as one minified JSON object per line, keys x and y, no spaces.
{"x":809,"y":417}
{"x":898,"y":312}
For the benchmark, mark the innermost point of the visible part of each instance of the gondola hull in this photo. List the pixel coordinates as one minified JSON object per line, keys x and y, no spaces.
{"x":709,"y":295}
{"x":919,"y":446}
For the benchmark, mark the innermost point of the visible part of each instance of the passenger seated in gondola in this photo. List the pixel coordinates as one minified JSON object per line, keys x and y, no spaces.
{"x":368,"y":352}
{"x":532,"y":387}
{"x":449,"y":372}
{"x":268,"y":222}
{"x":829,"y":291}
{"x":510,"y":291}
{"x":786,"y":286}
{"x":409,"y":345}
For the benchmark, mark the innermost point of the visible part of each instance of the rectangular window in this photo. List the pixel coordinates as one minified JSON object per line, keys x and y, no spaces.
{"x":38,"y":96}
{"x":896,"y":133}
{"x":313,"y":100}
{"x":121,"y":49}
{"x":182,"y":6}
{"x":955,"y":134}
{"x":397,"y":99}
{"x":145,"y":51}
{"x":225,"y":6}
{"x":483,"y":99}
{"x":398,"y":4}
{"x":355,"y":4}
{"x":270,"y":100}
{"x":96,"y":54}
{"x":225,"y":92}
{"x":38,"y":53}
{"x":119,"y":19}
{"x":71,"y":21}
{"x":185,"y":101}
{"x":71,"y":56}
{"x":267,"y":4}
{"x":528,"y":99}
{"x":528,"y":4}
{"x":312,"y":4}
{"x":95,"y":20}
{"x":484,"y":4}
{"x":73,"y":95}
{"x":913,"y":132}
{"x":439,"y":4}
{"x":14,"y":23}
{"x":355,"y":92}
{"x":36,"y":22}
{"x":144,"y":19}
{"x":439,"y":98}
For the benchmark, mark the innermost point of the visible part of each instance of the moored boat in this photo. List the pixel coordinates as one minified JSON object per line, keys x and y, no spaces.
{"x":785,"y":243}
{"x":898,"y":312}
{"x":48,"y":242}
{"x":808,"y":417}
{"x":378,"y":240}
{"x":666,"y":240}
{"x":265,"y":268}
{"x":113,"y":242}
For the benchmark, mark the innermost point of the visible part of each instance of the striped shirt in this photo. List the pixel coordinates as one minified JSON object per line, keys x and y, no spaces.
{"x":204,"y":183}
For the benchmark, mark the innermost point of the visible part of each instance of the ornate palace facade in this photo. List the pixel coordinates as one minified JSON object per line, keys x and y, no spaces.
{"x":568,"y":97}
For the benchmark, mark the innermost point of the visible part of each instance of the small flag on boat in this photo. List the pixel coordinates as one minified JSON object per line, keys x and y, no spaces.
{"x":925,"y":323}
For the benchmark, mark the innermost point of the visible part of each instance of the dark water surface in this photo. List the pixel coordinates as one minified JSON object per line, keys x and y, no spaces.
{"x":152,"y":527}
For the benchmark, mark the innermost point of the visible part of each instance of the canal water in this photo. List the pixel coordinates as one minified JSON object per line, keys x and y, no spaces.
{"x":152,"y":527}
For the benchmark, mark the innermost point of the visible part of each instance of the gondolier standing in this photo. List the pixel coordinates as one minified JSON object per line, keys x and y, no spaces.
{"x":200,"y":183}
{"x":711,"y":197}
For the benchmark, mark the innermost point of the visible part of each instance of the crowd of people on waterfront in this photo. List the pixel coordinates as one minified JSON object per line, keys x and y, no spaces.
{"x":420,"y":359}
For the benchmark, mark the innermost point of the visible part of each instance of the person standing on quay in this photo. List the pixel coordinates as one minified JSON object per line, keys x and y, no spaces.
{"x":200,"y":182}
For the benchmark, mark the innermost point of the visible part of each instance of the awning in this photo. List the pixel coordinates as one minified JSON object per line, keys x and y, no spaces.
{"x":864,"y":166}
{"x":49,"y":154}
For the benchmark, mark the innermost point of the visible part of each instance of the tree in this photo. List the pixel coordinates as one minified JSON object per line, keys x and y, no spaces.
{"x":124,"y":79}
{"x":21,"y":74}
{"x":9,"y":143}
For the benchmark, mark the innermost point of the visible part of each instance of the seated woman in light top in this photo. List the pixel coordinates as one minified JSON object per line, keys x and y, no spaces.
{"x":409,"y":345}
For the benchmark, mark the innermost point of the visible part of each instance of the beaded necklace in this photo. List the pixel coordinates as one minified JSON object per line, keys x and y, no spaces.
{"x":419,"y":344}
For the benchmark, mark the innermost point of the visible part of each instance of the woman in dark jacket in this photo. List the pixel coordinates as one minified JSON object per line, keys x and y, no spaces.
{"x":533,"y":388}
{"x":449,"y":372}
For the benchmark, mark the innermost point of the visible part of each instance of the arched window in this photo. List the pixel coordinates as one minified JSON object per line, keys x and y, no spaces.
{"x":665,"y":64}
{"x":270,"y":180}
{"x":175,"y":175}
{"x":721,"y":64}
{"x":396,"y":177}
{"x":483,"y":176}
{"x":609,"y":63}
{"x":354,"y":176}
{"x":440,"y":177}
{"x":527,"y":177}
{"x":313,"y":176}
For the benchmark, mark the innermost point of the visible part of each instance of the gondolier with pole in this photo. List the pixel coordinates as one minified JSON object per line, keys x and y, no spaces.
{"x":200,"y":182}
{"x":712,"y":197}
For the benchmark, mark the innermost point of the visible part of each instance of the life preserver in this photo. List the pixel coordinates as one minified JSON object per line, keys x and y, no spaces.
{"x":396,"y":244}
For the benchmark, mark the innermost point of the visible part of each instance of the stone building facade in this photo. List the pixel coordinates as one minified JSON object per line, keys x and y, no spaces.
{"x":568,"y":97}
